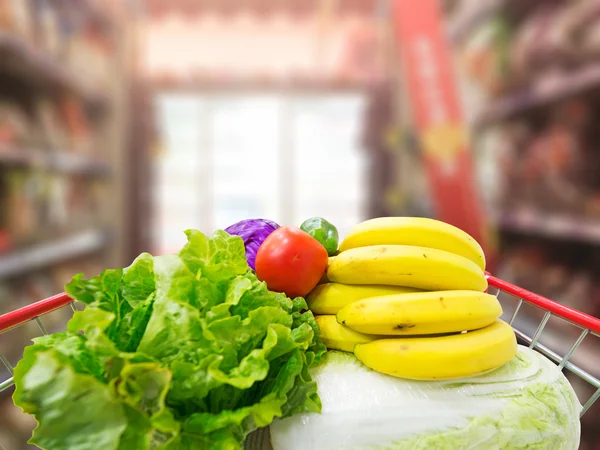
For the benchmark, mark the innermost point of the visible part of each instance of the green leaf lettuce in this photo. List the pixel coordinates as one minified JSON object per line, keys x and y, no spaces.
{"x":186,"y":351}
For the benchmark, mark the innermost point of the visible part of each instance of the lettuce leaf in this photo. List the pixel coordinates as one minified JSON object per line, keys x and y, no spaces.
{"x":186,"y":351}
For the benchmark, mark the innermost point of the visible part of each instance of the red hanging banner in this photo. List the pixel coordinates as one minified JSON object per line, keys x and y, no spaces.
{"x":438,"y":119}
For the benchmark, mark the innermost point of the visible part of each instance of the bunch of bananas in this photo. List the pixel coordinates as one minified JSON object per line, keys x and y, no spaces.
{"x":406,"y":295}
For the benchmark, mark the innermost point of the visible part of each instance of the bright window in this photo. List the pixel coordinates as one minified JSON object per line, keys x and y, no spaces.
{"x":231,"y":157}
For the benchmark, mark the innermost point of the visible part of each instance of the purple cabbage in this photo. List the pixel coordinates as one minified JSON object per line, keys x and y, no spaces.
{"x":253,"y":232}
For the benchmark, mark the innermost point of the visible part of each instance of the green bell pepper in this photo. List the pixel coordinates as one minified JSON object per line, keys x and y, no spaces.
{"x":324,"y":232}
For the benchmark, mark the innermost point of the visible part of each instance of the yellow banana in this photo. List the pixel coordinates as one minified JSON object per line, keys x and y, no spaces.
{"x":417,"y":231}
{"x":421,"y":313}
{"x":338,"y":337}
{"x":403,"y":265}
{"x":441,"y":358}
{"x":329,"y":298}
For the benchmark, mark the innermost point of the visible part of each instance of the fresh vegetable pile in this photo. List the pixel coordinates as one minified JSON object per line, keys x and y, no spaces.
{"x":290,"y":260}
{"x":186,"y":351}
{"x":196,"y":350}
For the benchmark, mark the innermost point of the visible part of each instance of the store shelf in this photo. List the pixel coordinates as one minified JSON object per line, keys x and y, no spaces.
{"x":546,"y":91}
{"x":23,"y":261}
{"x":552,"y":225}
{"x":56,"y":162}
{"x":556,"y":226}
{"x":28,"y":62}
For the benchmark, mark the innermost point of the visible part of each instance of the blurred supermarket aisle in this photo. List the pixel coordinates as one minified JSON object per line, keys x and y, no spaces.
{"x":63,"y":71}
{"x":124,"y":123}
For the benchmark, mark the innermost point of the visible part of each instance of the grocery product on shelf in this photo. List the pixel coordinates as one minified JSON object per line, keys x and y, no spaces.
{"x":524,"y":55}
{"x":548,"y":167}
{"x":541,"y":43}
{"x":552,"y":165}
{"x":14,"y":125}
{"x":76,"y":125}
{"x":485,"y":57}
{"x":20,"y":190}
{"x":40,"y":206}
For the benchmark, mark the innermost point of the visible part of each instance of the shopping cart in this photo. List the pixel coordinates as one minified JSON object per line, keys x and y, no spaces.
{"x":512,"y":298}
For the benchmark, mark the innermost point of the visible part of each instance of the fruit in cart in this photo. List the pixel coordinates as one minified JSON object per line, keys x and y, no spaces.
{"x":180,"y":351}
{"x":329,"y":298}
{"x":414,"y":231}
{"x":526,"y":404}
{"x":324,"y":232}
{"x":291,"y":261}
{"x":421,"y":313}
{"x":409,"y":266}
{"x":339,"y":337}
{"x":444,"y":357}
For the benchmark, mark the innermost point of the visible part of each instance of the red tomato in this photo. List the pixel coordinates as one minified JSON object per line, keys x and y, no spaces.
{"x":291,"y":261}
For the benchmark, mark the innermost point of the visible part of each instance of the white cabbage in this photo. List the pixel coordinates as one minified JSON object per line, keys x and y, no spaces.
{"x":526,"y":404}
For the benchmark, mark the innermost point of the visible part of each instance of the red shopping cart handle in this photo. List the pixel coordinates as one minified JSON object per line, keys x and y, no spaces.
{"x":570,"y":314}
{"x":29,"y":312}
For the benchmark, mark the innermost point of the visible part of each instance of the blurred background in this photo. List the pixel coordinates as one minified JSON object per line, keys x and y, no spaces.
{"x":123,"y":123}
